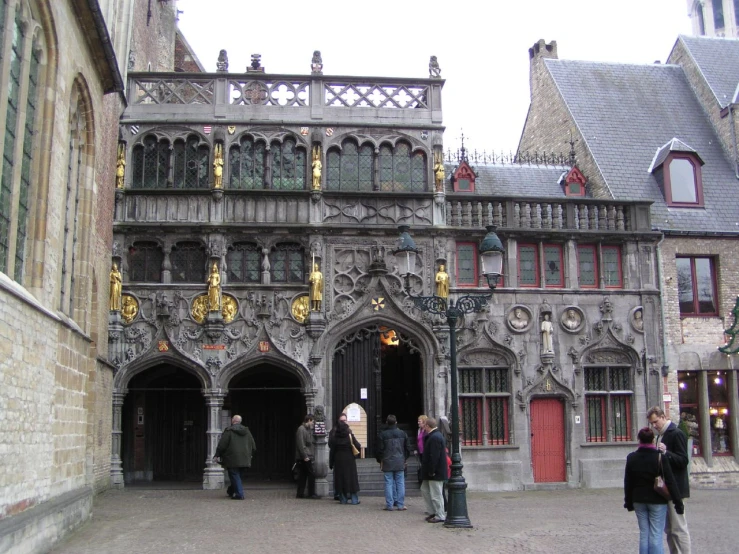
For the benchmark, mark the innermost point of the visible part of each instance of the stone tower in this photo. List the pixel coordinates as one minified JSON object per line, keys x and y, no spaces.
{"x":714,"y":18}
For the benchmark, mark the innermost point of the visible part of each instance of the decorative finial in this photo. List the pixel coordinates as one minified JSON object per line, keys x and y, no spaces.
{"x":222,"y":63}
{"x":572,"y":148}
{"x":316,"y":64}
{"x":256,"y":64}
{"x":434,"y":69}
{"x":463,"y":152}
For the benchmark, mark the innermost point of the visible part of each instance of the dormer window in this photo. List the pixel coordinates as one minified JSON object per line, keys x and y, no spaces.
{"x":574,"y":183}
{"x":677,"y":168}
{"x":464,"y":178}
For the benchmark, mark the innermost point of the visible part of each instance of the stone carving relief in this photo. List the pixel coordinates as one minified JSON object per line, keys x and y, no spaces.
{"x":519,"y":319}
{"x":572,"y":319}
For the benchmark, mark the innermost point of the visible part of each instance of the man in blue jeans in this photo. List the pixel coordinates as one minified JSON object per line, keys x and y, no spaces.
{"x":393,"y":449}
{"x":234,"y":452}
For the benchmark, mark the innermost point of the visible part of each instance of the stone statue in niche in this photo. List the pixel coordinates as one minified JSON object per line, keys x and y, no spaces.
{"x":638,"y":320}
{"x":571,"y":320}
{"x":519,"y":319}
{"x":442,"y":283}
{"x":547,"y":346}
{"x":434,"y":69}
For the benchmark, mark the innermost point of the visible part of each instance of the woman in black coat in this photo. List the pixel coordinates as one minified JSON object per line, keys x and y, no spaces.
{"x":341,"y":460}
{"x":642,"y":467}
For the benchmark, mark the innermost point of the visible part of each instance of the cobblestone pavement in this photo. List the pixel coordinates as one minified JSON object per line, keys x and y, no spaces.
{"x":140,"y":521}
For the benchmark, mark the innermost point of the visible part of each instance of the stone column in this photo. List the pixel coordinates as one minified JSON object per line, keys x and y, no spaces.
{"x":705,"y":418}
{"x":116,"y":464}
{"x":213,"y":478}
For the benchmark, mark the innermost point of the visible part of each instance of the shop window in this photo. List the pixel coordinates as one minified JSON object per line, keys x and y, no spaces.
{"x":150,"y":164}
{"x":484,"y":399}
{"x":351,"y":168}
{"x":188,"y":263}
{"x":191,"y":164}
{"x":246,"y":164}
{"x":528,"y":265}
{"x":466,"y":264}
{"x":718,"y":412}
{"x":696,"y":284}
{"x":608,"y":397}
{"x":244,"y":263}
{"x":145,"y":262}
{"x":287,"y":264}
{"x":689,"y":409}
{"x":288,"y":166}
{"x":553,"y":266}
{"x":683,"y":182}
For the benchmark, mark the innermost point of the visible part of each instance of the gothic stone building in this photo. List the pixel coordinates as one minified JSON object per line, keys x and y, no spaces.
{"x":666,"y":134}
{"x":262,"y":176}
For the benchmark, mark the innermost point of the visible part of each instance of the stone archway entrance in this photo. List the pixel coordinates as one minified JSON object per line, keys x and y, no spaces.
{"x":272,"y":405}
{"x":164,"y":424}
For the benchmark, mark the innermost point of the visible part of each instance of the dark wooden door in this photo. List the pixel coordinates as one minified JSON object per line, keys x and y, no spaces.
{"x":356,"y":366}
{"x":548,"y":440}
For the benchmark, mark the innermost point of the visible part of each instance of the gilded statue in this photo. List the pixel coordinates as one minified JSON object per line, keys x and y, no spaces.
{"x":130,"y":308}
{"x":300,"y":308}
{"x":316,"y":165}
{"x":200,"y":308}
{"x":120,"y":169}
{"x":214,"y":289}
{"x":230,"y":308}
{"x":116,"y":287}
{"x":218,"y":166}
{"x":439,"y":171}
{"x":442,"y":283}
{"x":316,"y":288}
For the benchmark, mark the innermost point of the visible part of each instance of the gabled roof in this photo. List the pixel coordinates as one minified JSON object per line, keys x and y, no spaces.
{"x":718,"y":60}
{"x":518,"y":180}
{"x":675,"y":145}
{"x":625,"y":113}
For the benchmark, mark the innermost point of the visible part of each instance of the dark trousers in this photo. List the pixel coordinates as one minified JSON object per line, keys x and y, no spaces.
{"x":305,"y":473}
{"x":235,"y":475}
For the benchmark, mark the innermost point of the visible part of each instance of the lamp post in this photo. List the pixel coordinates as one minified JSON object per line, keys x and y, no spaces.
{"x":491,"y":254}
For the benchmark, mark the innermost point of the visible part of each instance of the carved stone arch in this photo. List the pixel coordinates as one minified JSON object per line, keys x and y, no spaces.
{"x":281,"y":135}
{"x":547,"y":385}
{"x":485,"y":357}
{"x":609,"y":349}
{"x":337,"y":141}
{"x":273,"y":357}
{"x":184,"y":134}
{"x":144,"y":363}
{"x":158,"y":134}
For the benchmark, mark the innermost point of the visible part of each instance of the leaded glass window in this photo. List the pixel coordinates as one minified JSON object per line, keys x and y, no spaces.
{"x":244,"y":263}
{"x":287,"y":264}
{"x":608,"y":394}
{"x":246,"y":164}
{"x":484,"y":395}
{"x":351,"y":169}
{"x":467,"y":264}
{"x":553,"y":274}
{"x":400,"y":171}
{"x":191,"y":164}
{"x":528,"y":266}
{"x":288,"y":166}
{"x":145,"y":262}
{"x":150,"y":164}
{"x":588,"y":268}
{"x":188,"y":263}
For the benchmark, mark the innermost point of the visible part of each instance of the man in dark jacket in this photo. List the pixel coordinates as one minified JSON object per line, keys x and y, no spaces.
{"x":434,"y":472}
{"x":304,"y":456}
{"x":393,"y":449}
{"x":234,"y":452}
{"x":674,"y":444}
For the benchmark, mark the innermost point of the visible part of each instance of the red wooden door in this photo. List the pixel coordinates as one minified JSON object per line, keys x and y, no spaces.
{"x":548,"y":440}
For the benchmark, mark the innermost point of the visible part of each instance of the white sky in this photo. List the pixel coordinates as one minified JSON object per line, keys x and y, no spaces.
{"x":482,"y":46}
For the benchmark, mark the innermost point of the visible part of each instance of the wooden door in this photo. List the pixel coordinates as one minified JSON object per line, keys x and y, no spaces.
{"x":356,"y":366}
{"x":548,"y":440}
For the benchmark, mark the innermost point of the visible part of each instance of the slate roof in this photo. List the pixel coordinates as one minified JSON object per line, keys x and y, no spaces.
{"x":718,"y":59}
{"x":625,"y":113}
{"x":516,"y":180}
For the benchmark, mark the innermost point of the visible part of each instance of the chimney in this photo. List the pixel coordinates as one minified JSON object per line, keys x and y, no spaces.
{"x":538,"y":52}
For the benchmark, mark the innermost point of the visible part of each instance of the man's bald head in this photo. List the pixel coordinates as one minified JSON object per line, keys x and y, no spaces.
{"x":235,"y":419}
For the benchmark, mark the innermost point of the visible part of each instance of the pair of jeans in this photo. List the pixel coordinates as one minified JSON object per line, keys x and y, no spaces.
{"x":395,"y":489}
{"x":234,"y":475}
{"x":305,"y":473}
{"x":352,"y":499}
{"x":651,"y":519}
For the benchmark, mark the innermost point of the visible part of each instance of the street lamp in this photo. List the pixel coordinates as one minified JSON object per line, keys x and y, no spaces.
{"x":491,"y":257}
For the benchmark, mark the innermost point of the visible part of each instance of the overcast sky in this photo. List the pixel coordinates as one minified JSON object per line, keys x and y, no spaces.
{"x":482,"y":45}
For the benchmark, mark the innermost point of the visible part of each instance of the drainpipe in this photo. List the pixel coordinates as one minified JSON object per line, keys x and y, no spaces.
{"x":665,"y":367}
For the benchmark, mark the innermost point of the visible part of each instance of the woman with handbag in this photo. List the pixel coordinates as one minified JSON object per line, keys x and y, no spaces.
{"x":644,"y":471}
{"x":342,"y":461}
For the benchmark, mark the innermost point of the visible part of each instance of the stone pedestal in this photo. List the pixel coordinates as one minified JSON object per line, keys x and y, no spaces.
{"x":213,"y":476}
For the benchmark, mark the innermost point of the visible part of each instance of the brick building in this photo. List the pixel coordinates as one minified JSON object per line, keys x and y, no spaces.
{"x":666,"y":134}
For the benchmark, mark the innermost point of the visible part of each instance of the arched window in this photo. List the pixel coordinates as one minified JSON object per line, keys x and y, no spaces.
{"x":150,"y":164}
{"x":145,"y":262}
{"x":718,"y":15}
{"x":287,"y":264}
{"x":188,"y":263}
{"x":246,"y":164}
{"x":20,"y":99}
{"x":351,"y":169}
{"x":244,"y":263}
{"x":400,"y":171}
{"x":191,"y":164}
{"x":288,"y":166}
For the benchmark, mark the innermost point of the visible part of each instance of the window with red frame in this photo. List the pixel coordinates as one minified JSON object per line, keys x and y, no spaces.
{"x":575,"y":183}
{"x":466,"y":264}
{"x":553,"y":264}
{"x":587,"y":265}
{"x":484,"y":397}
{"x":464,"y":178}
{"x":696,"y":285}
{"x":683,"y":181}
{"x":612,"y":275}
{"x":608,"y":394}
{"x":528,"y":265}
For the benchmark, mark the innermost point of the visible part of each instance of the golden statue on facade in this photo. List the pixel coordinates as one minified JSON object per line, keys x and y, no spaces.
{"x":218,"y":166}
{"x":120,"y":167}
{"x":230,"y":308}
{"x":301,"y":308}
{"x":214,"y":289}
{"x":442,"y":283}
{"x":116,"y":287}
{"x":199,"y":309}
{"x":439,"y":171}
{"x":130,"y":308}
{"x":317,"y":166}
{"x":316,"y":288}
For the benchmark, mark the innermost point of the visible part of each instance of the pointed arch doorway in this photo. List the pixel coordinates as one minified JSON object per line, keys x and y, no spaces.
{"x":380,"y":369}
